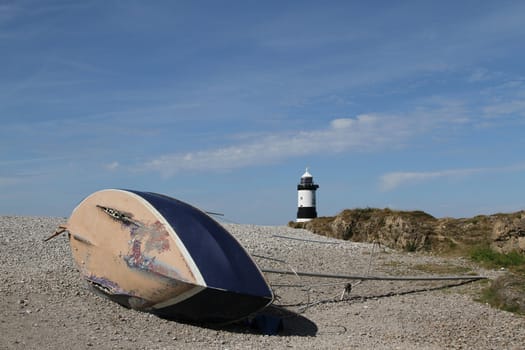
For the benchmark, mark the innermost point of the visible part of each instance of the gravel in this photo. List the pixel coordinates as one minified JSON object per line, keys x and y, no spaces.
{"x":46,"y":305}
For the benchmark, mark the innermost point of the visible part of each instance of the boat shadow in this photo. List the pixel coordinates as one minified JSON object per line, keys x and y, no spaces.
{"x":276,"y":320}
{"x":273,"y":320}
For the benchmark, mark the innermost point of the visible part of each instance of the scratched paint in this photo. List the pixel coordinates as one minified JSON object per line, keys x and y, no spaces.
{"x":147,"y":241}
{"x":114,"y":292}
{"x":154,"y":236}
{"x":105,"y":285}
{"x":159,"y":239}
{"x":145,"y":244}
{"x":135,"y":258}
{"x":118,"y":215}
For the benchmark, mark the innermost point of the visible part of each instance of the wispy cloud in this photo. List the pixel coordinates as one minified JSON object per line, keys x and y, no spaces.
{"x":18,"y":178}
{"x":112,"y":166}
{"x":479,"y":75}
{"x":393,"y":180}
{"x":8,"y":181}
{"x":513,"y":107}
{"x":364,"y":133}
{"x":8,"y":11}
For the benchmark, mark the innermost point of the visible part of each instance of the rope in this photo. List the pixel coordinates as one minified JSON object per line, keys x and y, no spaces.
{"x":61,"y":229}
{"x":375,"y":278}
{"x":304,"y":239}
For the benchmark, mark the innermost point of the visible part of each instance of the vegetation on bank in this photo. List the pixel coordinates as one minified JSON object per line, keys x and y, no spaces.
{"x":490,"y":258}
{"x":508,"y":291}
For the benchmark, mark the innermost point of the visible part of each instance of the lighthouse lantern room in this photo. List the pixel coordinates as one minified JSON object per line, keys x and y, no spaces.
{"x":306,"y":210}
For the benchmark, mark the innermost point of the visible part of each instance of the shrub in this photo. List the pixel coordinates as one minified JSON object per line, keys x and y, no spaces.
{"x":507,"y":293}
{"x":492,"y":259}
{"x":411,"y":246}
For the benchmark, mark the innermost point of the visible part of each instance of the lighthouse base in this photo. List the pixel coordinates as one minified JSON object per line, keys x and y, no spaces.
{"x":302,"y":220}
{"x":306,"y":214}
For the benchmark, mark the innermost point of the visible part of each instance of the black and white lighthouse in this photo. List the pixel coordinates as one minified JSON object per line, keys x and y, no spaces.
{"x":306,"y":198}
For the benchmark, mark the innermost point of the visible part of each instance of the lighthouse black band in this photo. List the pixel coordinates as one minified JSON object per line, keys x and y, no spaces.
{"x":307,"y":187}
{"x":306,"y":213}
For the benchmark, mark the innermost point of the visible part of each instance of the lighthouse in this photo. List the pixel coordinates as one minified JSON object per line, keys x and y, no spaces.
{"x":306,"y":198}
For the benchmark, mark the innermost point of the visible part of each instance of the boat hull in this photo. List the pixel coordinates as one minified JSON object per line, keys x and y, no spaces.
{"x":154,"y":253}
{"x":213,"y":306}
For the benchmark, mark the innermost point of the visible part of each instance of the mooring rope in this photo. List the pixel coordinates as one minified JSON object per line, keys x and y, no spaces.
{"x":376,"y":278}
{"x":305,"y":239}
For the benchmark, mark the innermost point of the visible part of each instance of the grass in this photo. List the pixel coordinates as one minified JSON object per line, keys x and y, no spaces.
{"x":508,"y":291}
{"x":491,"y":296}
{"x":411,"y":246}
{"x":490,"y":258}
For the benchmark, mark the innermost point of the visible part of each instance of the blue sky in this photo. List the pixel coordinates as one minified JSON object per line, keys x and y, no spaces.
{"x":407,"y":105}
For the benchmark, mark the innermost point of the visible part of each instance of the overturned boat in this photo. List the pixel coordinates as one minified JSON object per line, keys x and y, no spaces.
{"x":154,"y":253}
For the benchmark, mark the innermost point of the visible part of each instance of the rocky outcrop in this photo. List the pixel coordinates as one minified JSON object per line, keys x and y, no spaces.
{"x":508,"y":232}
{"x":417,"y":230}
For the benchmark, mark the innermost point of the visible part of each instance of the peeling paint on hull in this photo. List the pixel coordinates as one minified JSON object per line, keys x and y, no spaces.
{"x":154,"y":253}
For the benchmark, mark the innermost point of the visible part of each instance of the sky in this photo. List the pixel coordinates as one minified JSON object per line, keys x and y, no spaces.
{"x":409,"y":105}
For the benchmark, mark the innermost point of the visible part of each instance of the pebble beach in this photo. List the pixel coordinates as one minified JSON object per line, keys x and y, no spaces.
{"x":44,"y":303}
